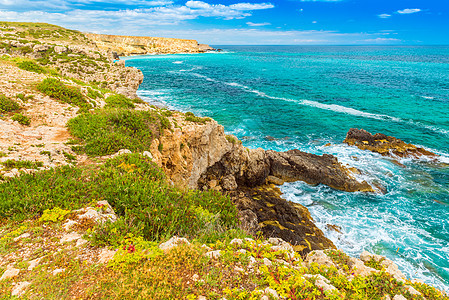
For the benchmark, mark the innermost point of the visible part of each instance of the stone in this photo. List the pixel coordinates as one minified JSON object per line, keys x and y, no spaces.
{"x":41,"y":48}
{"x":148,"y":154}
{"x":121,"y":152}
{"x":275,"y":180}
{"x":412,"y":290}
{"x":228,"y":183}
{"x":360,"y":269}
{"x":70,"y":237}
{"x":105,"y":255}
{"x":270,"y":292}
{"x":22,"y":236}
{"x":399,"y":297}
{"x":80,"y":242}
{"x":367,"y":256}
{"x":321,"y":282}
{"x":267,"y":262}
{"x":237,"y":242}
{"x":319,"y":257}
{"x":392,"y":268}
{"x":206,"y":247}
{"x":57,"y":271}
{"x":202,"y":298}
{"x":214,"y":254}
{"x":33,"y":263}
{"x":386,"y":297}
{"x":20,"y":288}
{"x":173,"y":242}
{"x":10,"y":272}
{"x":60,"y":49}
{"x":242,"y":251}
{"x":69,"y":224}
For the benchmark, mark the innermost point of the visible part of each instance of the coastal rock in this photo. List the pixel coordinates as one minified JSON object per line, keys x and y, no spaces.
{"x":279,"y":218}
{"x":134,"y":45}
{"x":295,"y":165}
{"x":105,"y":255}
{"x":384,"y":145}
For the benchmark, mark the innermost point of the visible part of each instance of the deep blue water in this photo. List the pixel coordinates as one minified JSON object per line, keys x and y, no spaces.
{"x":306,"y":97}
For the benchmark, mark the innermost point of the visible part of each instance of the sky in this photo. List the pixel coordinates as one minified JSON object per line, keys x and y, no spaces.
{"x":249,"y":22}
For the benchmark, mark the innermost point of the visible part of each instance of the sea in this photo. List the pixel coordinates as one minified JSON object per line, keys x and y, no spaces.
{"x":307,"y":98}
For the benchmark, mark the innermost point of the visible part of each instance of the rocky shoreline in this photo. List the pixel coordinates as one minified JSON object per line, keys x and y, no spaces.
{"x":193,"y":152}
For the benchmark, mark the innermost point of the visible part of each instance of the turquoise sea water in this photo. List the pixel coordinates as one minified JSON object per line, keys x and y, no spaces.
{"x":306,"y":97}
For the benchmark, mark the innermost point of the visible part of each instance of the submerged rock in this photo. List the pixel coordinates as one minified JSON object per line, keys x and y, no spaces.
{"x":383,"y":144}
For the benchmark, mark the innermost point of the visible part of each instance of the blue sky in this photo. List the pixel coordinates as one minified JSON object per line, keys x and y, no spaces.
{"x":246,"y":22}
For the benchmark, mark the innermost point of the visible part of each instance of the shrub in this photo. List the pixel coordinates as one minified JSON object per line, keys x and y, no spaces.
{"x":18,"y":164}
{"x":7,"y":105}
{"x":55,"y":88}
{"x":107,"y":131}
{"x":119,"y":101}
{"x":29,"y":65}
{"x":22,"y":119}
{"x":94,"y":94}
{"x":134,"y":186}
{"x":192,"y":118}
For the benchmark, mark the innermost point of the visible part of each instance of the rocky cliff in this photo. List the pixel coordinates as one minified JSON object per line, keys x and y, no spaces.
{"x":134,"y":45}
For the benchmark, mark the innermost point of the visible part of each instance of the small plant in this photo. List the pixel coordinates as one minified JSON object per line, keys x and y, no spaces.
{"x":107,"y":131}
{"x":55,"y":88}
{"x":29,"y":65}
{"x":231,"y":139}
{"x":71,"y":158}
{"x":7,"y":105}
{"x":18,"y":164}
{"x":53,"y":215}
{"x":22,"y":119}
{"x":94,"y":94}
{"x":119,"y":101}
{"x":189,"y":116}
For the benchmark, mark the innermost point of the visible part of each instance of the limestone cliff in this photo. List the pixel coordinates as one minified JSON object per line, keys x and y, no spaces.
{"x":134,"y":45}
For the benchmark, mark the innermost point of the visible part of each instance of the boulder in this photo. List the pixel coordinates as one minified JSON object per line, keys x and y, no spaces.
{"x":320,"y":258}
{"x":20,"y":288}
{"x":173,"y":242}
{"x":41,"y":48}
{"x":10,"y":272}
{"x":61,"y":49}
{"x":384,"y":145}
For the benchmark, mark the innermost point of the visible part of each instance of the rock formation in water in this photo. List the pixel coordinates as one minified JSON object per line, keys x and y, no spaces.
{"x":385,"y":145}
{"x":200,"y":155}
{"x":135,"y":45}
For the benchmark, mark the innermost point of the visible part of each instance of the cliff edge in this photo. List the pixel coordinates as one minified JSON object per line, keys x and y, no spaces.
{"x":138,"y":45}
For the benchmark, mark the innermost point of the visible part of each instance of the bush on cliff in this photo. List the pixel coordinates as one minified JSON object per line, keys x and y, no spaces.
{"x":119,"y":101}
{"x":108,"y":130}
{"x":135,"y":187}
{"x":7,"y":105}
{"x":55,"y":88}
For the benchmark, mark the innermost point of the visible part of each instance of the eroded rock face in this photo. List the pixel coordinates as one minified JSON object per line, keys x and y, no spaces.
{"x":279,"y":218}
{"x":385,"y":145}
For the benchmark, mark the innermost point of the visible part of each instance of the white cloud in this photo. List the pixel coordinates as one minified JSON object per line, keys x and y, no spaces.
{"x":321,"y":0}
{"x":314,"y":22}
{"x":382,"y":40}
{"x":384,"y":16}
{"x":408,"y":11}
{"x":257,"y":24}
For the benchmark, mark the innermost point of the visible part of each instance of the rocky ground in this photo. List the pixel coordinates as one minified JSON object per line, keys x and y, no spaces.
{"x":84,"y":122}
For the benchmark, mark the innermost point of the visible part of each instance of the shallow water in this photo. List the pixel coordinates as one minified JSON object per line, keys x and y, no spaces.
{"x":286,"y":97}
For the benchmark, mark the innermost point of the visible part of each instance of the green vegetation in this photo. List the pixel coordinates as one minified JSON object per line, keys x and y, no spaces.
{"x":94,"y":94}
{"x":231,"y":139}
{"x":109,"y":130}
{"x":189,"y":116}
{"x":29,"y":65}
{"x":55,"y":88}
{"x":134,"y":186}
{"x":7,"y":105}
{"x":24,"y":97}
{"x":119,"y":101}
{"x":22,"y":119}
{"x":18,"y":164}
{"x":53,"y":215}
